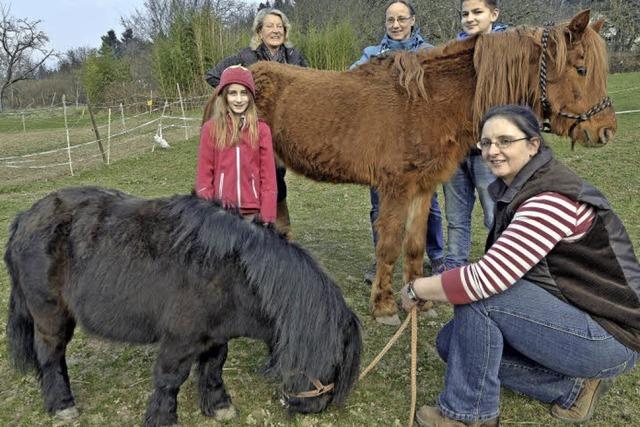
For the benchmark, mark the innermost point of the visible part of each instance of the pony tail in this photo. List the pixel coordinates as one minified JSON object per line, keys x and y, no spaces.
{"x":411,"y":74}
{"x":20,"y":327}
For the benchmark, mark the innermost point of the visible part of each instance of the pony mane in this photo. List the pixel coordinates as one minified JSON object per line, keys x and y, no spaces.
{"x":498,"y":81}
{"x":307,"y":308}
{"x":410,"y":68}
{"x":500,"y":68}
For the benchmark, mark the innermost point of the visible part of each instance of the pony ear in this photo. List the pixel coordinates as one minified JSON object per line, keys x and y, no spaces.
{"x":597,"y":26}
{"x":579,"y":23}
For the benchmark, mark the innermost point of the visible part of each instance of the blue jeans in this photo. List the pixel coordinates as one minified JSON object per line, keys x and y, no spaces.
{"x":525,"y":339}
{"x":434,"y":238}
{"x":472,"y":175}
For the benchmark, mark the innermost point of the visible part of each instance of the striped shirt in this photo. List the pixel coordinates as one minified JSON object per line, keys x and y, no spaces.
{"x":537,"y":226}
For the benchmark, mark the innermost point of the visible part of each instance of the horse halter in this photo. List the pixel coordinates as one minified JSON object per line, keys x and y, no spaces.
{"x":547,"y":109}
{"x":319,"y":391}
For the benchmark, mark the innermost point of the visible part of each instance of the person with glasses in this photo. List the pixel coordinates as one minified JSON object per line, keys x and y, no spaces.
{"x":270,"y":42}
{"x":403,"y":34}
{"x":472,"y":176}
{"x":552,"y":309}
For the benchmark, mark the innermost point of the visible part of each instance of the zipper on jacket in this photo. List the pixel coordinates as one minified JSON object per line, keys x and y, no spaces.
{"x":238,"y":174}
{"x":253,"y":185}
{"x":220,"y":186}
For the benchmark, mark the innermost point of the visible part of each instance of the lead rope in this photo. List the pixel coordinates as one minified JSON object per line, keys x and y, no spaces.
{"x":414,"y":363}
{"x":413,"y":318}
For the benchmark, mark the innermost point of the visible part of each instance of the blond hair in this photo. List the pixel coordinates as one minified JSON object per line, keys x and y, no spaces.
{"x":225,"y":135}
{"x":258,"y":22}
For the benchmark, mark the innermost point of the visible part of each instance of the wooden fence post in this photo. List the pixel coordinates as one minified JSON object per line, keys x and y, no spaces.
{"x":95,"y":129}
{"x":66,"y":128}
{"x":124,"y":126}
{"x":184,"y":117}
{"x":109,"y":139}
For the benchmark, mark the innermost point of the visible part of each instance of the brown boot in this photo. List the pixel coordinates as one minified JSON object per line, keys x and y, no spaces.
{"x":283,"y":223}
{"x":430,"y":416}
{"x":582,"y":409}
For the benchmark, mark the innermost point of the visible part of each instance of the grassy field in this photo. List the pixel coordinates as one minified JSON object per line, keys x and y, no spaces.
{"x":112,"y":381}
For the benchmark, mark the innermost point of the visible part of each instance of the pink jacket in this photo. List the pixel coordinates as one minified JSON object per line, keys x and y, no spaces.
{"x":239,"y":176}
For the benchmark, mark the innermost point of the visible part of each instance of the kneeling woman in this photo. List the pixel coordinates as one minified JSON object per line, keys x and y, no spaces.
{"x":235,"y":159}
{"x":552,"y":310}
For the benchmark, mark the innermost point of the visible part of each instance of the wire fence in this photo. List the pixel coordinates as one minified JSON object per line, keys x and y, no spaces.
{"x":50,"y":142}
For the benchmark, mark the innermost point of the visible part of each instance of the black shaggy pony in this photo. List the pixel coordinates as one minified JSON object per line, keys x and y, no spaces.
{"x":180,"y":271}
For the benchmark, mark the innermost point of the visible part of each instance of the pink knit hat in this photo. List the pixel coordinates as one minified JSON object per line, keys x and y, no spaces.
{"x":236,"y":74}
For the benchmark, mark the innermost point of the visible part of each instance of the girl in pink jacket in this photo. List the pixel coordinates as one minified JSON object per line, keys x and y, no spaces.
{"x":235,"y":160}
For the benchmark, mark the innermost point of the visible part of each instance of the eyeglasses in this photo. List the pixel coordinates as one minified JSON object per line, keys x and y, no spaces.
{"x":402,"y":20}
{"x":500,"y":143}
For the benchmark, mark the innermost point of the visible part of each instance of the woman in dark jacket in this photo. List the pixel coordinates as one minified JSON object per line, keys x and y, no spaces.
{"x":270,"y":42}
{"x":552,"y":309}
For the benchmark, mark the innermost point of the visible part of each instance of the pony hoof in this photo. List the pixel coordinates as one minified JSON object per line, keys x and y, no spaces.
{"x":389,"y":320}
{"x":430,"y":313}
{"x":67,"y":414}
{"x":225,"y":414}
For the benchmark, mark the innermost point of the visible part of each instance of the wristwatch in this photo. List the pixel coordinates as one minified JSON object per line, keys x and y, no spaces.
{"x":411,"y":293}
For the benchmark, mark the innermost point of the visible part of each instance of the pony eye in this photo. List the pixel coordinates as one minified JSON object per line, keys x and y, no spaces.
{"x":582,"y":71}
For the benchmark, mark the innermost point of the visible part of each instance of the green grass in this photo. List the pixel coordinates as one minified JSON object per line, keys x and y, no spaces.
{"x":112,"y":381}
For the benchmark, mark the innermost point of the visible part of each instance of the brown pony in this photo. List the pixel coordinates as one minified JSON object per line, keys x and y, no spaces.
{"x":403,"y":123}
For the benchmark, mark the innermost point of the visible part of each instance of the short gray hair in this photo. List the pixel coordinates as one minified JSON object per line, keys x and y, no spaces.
{"x":259,"y":20}
{"x":408,"y":3}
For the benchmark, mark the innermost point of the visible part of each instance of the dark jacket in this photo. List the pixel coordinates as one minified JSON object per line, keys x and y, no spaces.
{"x":599,"y":273}
{"x":248,"y":56}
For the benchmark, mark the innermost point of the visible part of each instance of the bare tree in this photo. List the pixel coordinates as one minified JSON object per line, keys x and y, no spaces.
{"x":23,"y":50}
{"x":623,"y":29}
{"x":154,"y":19}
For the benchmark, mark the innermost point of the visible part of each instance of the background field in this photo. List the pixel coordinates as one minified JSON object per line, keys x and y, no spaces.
{"x":112,"y":381}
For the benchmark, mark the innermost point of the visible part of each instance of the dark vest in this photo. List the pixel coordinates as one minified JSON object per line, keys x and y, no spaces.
{"x":599,"y":273}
